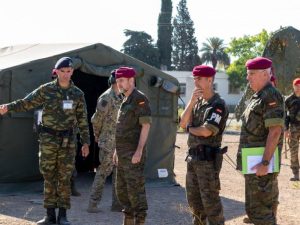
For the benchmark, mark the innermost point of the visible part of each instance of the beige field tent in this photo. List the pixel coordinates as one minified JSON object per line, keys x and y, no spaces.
{"x":24,"y":68}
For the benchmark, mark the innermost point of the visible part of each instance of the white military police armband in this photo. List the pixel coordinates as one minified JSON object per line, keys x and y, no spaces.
{"x":215,"y":116}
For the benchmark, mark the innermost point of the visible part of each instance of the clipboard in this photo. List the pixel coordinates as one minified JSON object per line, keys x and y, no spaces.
{"x":253,"y":156}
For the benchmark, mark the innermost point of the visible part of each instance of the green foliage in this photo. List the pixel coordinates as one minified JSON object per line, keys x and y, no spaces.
{"x":164,"y":40}
{"x":242,"y":49}
{"x":140,"y":46}
{"x":214,"y":52}
{"x":185,"y":46}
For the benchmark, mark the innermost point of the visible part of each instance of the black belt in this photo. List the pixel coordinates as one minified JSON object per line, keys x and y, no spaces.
{"x":59,"y":133}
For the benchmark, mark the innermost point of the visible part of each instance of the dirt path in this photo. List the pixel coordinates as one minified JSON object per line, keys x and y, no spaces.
{"x":167,"y":204}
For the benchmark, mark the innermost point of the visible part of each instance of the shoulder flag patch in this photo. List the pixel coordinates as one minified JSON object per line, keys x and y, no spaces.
{"x":141,"y":103}
{"x":272,"y":103}
{"x":219,"y":110}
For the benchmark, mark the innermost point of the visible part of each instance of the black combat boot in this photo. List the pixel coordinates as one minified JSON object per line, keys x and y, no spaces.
{"x":62,"y":217}
{"x":74,"y":191}
{"x":49,"y":219}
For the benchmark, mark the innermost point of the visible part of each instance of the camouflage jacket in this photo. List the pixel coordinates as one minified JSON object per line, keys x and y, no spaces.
{"x":57,"y":113}
{"x":105,"y":118}
{"x":244,"y":101}
{"x":213,"y":115}
{"x":134,"y":111}
{"x":292,"y":104}
{"x":266,"y":109}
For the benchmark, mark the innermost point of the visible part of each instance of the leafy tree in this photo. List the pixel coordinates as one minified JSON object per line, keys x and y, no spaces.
{"x":214,"y":52}
{"x":164,"y":40}
{"x":140,"y":46}
{"x":242,"y":49}
{"x":185,"y":47}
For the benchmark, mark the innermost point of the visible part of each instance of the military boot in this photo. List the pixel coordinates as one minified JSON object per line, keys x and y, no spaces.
{"x":49,"y":219}
{"x":74,"y":191}
{"x":92,"y":208}
{"x":62,"y":217}
{"x":128,"y":219}
{"x":296,"y":176}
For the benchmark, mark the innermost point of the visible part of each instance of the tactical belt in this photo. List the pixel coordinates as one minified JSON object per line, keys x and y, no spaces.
{"x":59,"y":133}
{"x":205,"y":153}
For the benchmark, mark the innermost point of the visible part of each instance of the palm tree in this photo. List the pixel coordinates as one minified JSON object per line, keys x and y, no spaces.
{"x":214,"y":52}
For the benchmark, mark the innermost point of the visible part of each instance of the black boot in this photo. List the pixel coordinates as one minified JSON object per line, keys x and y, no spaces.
{"x":49,"y":219}
{"x":74,"y":191}
{"x":62,"y":217}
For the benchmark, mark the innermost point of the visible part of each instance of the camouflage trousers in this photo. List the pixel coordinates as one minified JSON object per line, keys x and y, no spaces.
{"x":105,"y":168}
{"x":261,"y":198}
{"x":56,"y":166}
{"x":130,"y":187}
{"x":294,"y":148}
{"x":202,"y":191}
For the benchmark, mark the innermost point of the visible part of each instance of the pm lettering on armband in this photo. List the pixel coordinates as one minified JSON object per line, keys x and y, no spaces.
{"x":215,"y":117}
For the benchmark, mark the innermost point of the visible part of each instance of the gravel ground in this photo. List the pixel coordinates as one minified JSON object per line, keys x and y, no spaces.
{"x":167,"y":203}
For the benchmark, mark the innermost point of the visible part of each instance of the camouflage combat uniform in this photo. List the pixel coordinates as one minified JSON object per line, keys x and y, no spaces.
{"x":242,"y":104}
{"x":202,"y":178}
{"x":239,"y":110}
{"x":266,"y":109}
{"x":130,"y":182}
{"x":57,"y":161}
{"x":104,"y":126}
{"x":292,"y":104}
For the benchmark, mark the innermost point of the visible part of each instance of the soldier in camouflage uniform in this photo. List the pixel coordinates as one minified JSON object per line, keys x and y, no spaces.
{"x":104,"y":126}
{"x":133,"y":125}
{"x":292,"y":126}
{"x":239,"y":110}
{"x":64,"y":109}
{"x":204,"y":118}
{"x":262,"y":124}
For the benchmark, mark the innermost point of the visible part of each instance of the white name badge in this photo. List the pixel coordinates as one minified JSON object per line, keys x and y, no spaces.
{"x":162,"y":173}
{"x":67,"y":104}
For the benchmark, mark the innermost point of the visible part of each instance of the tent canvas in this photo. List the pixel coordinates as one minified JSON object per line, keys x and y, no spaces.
{"x":24,"y":68}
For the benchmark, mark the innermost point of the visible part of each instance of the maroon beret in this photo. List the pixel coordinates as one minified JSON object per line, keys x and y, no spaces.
{"x":296,"y":81}
{"x":203,"y":71}
{"x":126,"y":72}
{"x":258,"y":63}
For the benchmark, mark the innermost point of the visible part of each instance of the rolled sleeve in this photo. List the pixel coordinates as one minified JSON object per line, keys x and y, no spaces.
{"x":145,"y":119}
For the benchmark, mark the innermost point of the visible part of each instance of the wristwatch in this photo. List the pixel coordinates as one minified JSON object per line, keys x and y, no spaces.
{"x":265,"y":162}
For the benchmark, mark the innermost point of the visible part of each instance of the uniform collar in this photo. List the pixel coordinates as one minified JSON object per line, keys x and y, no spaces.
{"x":59,"y":87}
{"x":259,"y":93}
{"x":129,"y":98}
{"x":211,"y":100}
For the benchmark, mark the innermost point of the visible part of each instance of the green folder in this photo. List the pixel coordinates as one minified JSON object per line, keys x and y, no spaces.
{"x":252,"y":156}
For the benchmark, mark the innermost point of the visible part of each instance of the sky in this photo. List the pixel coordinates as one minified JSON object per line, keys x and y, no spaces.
{"x":104,"y":21}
